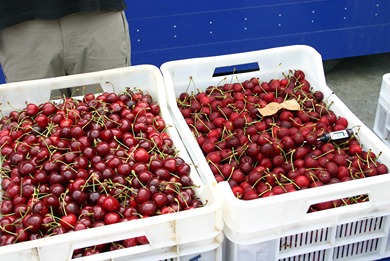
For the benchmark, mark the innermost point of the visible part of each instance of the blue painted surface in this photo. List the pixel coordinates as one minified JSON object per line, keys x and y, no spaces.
{"x":2,"y":80}
{"x":184,"y":29}
{"x":176,"y":29}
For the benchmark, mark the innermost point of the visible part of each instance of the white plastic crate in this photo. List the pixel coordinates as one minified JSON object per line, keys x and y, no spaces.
{"x":265,"y":219}
{"x":358,"y":240}
{"x":382,"y":117}
{"x":355,"y":232}
{"x":165,"y":233}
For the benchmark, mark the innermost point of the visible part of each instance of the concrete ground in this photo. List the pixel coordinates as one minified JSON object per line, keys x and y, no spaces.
{"x":357,"y":82}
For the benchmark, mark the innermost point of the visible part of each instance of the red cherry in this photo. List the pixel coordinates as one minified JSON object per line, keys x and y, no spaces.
{"x":141,"y":155}
{"x":110,"y":204}
{"x":31,"y":109}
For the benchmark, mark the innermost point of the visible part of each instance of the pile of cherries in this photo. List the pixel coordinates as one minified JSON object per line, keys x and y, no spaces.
{"x":82,"y":163}
{"x":261,"y":155}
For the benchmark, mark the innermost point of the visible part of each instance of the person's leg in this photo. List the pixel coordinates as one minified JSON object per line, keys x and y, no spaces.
{"x":77,"y":43}
{"x":31,"y":50}
{"x":95,"y":41}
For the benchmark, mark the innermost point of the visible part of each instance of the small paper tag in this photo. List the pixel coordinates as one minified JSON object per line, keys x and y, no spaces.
{"x":274,"y":107}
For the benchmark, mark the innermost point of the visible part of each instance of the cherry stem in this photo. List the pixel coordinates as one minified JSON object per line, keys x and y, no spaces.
{"x":135,"y":176}
{"x":265,"y":191}
{"x":291,"y":181}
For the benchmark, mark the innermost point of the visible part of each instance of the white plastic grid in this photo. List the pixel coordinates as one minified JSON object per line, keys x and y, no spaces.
{"x":352,"y":229}
{"x":348,"y":241}
{"x":357,"y":249}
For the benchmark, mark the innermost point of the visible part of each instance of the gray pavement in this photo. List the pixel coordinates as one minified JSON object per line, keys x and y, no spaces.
{"x":357,"y":82}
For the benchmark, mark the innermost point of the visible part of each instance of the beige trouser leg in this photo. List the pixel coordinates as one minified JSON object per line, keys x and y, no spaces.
{"x":77,"y":43}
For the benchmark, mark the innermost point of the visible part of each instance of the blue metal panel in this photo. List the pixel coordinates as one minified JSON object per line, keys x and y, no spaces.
{"x":184,"y":29}
{"x":331,"y":44}
{"x":2,"y":80}
{"x":177,"y":29}
{"x":152,"y":8}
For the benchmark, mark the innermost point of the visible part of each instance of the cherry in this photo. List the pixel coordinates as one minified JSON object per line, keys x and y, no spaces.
{"x":80,"y":226}
{"x":78,"y":196}
{"x":57,"y":189}
{"x":324,"y":176}
{"x":267,"y":150}
{"x":6,"y":207}
{"x":13,"y":190}
{"x":110,"y":204}
{"x":32,"y":222}
{"x":143,"y":195}
{"x":106,"y":135}
{"x":355,"y":149}
{"x":147,"y":208}
{"x":170,"y":164}
{"x":382,"y":168}
{"x":332,"y":168}
{"x":238,"y":191}
{"x":311,"y":137}
{"x":71,"y":207}
{"x":142,"y":240}
{"x":40,"y":208}
{"x":51,"y":201}
{"x":31,"y":109}
{"x":111,"y":218}
{"x":42,"y":121}
{"x":68,"y":221}
{"x":250,"y":195}
{"x":324,"y":205}
{"x":22,"y":234}
{"x":160,"y":199}
{"x":102,"y":148}
{"x":184,"y":199}
{"x":48,"y":109}
{"x":141,"y":155}
{"x":98,"y":213}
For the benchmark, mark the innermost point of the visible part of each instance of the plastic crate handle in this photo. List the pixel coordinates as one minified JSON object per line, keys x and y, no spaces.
{"x":64,"y":250}
{"x":236,"y":69}
{"x":159,"y":233}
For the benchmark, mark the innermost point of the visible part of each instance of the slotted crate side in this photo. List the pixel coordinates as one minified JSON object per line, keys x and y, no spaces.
{"x":164,"y":231}
{"x":382,"y":117}
{"x":365,"y":227}
{"x":342,"y":242}
{"x":301,"y":242}
{"x":368,"y":249}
